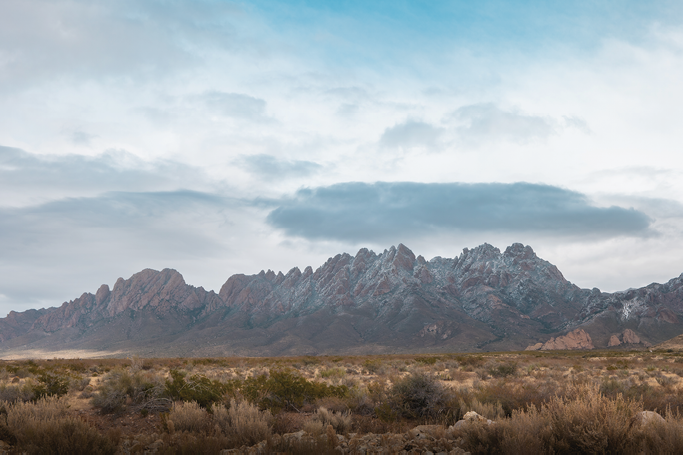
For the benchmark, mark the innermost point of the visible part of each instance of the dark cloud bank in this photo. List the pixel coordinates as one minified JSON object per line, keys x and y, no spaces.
{"x":362,"y":211}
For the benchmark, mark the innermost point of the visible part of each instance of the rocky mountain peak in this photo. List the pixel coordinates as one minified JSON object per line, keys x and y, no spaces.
{"x":102,"y":294}
{"x":482,"y":299}
{"x":518,"y":250}
{"x":404,"y":258}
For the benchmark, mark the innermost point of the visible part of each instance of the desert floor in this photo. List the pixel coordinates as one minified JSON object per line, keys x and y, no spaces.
{"x":572,"y":402}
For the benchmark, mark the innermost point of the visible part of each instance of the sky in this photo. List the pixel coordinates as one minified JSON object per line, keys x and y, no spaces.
{"x":220,"y":137}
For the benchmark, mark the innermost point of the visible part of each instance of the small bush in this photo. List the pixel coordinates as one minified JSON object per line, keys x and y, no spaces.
{"x":340,"y":421}
{"x":426,"y":360}
{"x":361,"y":402}
{"x":333,"y":373}
{"x":314,"y":427}
{"x":418,"y":396}
{"x":144,"y":389}
{"x":17,"y":392}
{"x":110,"y":399}
{"x":503,"y":370}
{"x":198,"y":388}
{"x":469,"y":360}
{"x":373,"y":366}
{"x":287,"y":389}
{"x":51,"y":384}
{"x":243,"y":423}
{"x":187,"y":416}
{"x":586,"y":422}
{"x":79,"y":384}
{"x":44,"y":428}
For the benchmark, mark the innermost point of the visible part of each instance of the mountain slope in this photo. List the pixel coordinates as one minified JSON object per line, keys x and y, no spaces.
{"x":367,"y":303}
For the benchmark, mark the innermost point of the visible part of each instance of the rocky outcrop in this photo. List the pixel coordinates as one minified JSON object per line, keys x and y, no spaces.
{"x":574,"y":340}
{"x":630,"y":337}
{"x":483,"y":299}
{"x":627,"y":337}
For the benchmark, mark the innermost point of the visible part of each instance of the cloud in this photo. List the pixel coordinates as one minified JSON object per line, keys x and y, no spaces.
{"x":239,"y":106}
{"x":26,"y":176}
{"x":54,"y":251}
{"x":30,"y":230}
{"x":54,"y":39}
{"x":411,"y":133}
{"x":357,"y":212}
{"x":119,"y":225}
{"x":489,"y":122}
{"x":348,"y":110}
{"x":79,"y":137}
{"x":267,"y":167}
{"x":659,"y":208}
{"x":576,"y":122}
{"x":349,"y":94}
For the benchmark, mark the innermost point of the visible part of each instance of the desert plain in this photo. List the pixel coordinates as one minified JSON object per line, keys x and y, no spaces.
{"x":531,"y":402}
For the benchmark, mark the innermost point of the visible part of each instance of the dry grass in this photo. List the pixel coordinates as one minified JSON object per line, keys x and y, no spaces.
{"x":46,"y":428}
{"x":243,"y":423}
{"x":187,"y":417}
{"x":340,"y":421}
{"x":586,"y":398}
{"x":583,"y":422}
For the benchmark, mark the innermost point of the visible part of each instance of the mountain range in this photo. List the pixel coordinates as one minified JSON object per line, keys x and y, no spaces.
{"x":392,"y":302}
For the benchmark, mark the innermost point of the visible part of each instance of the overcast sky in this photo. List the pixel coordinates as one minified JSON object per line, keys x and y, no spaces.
{"x":219,"y":137}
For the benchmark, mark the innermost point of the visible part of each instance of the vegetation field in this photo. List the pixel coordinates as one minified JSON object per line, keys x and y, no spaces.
{"x":593,"y":402}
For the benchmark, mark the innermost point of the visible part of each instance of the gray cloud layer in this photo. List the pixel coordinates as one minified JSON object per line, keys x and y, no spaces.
{"x":43,"y":248}
{"x":30,"y":231}
{"x":357,"y":212}
{"x":24,"y":174}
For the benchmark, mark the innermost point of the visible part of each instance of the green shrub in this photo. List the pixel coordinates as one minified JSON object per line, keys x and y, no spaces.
{"x":416,"y":396}
{"x":198,"y":388}
{"x":333,"y":373}
{"x":426,"y":360}
{"x":51,"y":384}
{"x":470,"y":360}
{"x":503,"y":370}
{"x":287,"y":389}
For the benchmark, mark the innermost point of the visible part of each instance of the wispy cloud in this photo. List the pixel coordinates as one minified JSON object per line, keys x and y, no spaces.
{"x":267,"y":167}
{"x":487,"y":122}
{"x":44,"y":40}
{"x":410,"y":134}
{"x":240,"y":106}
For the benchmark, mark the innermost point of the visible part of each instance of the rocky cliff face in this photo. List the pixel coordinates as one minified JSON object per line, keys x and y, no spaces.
{"x":483,"y":299}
